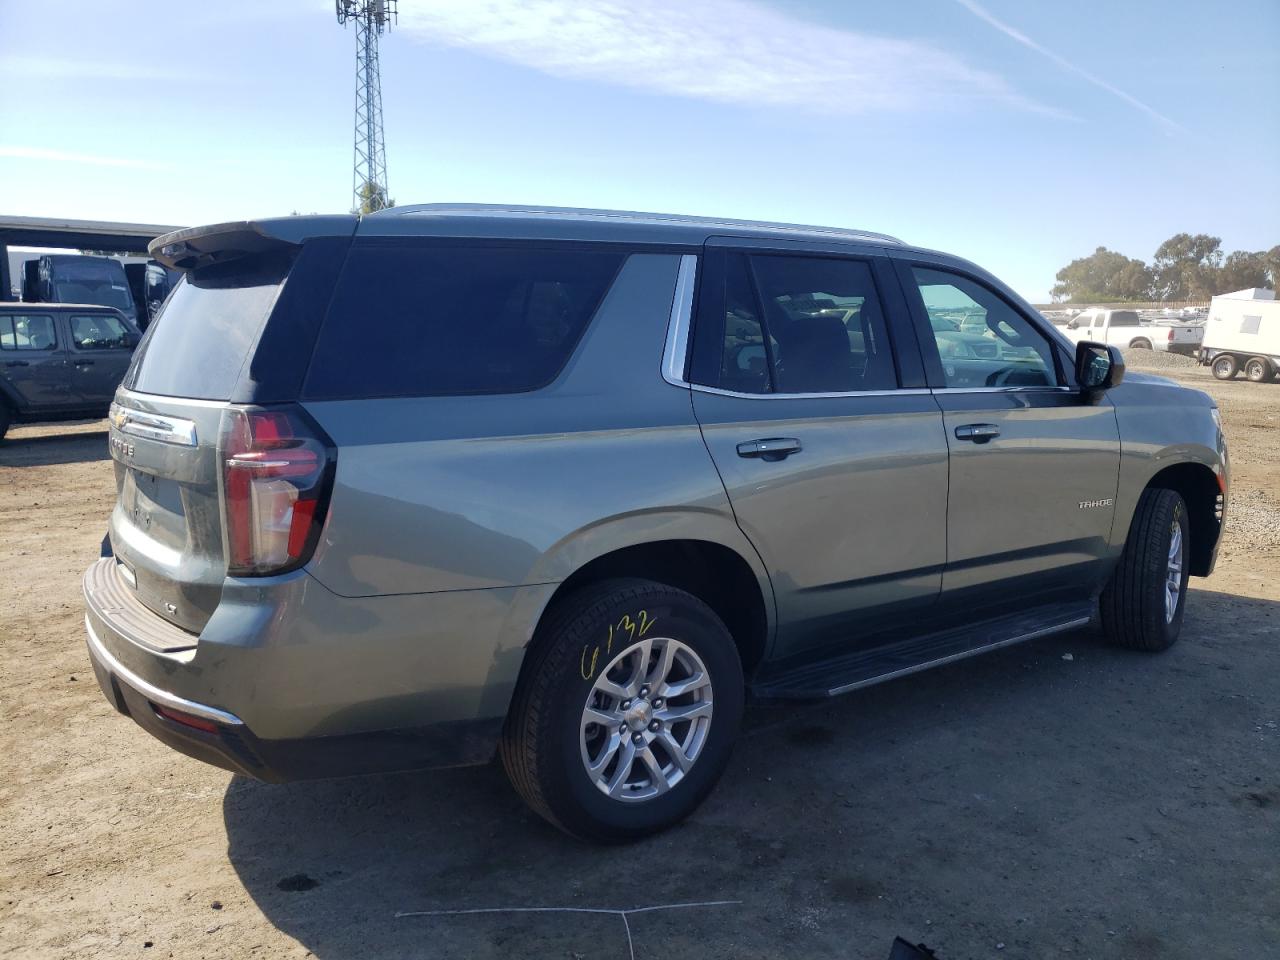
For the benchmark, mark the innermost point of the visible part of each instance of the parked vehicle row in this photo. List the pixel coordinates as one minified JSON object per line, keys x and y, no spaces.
{"x":569,"y":485}
{"x":1125,"y":328}
{"x":136,"y":289}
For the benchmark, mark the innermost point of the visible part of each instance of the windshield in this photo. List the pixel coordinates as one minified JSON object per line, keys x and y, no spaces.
{"x":108,"y":293}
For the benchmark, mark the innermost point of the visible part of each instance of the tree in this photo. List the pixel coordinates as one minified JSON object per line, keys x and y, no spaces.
{"x":373,"y":197}
{"x":1103,"y":275}
{"x":1186,"y":267}
{"x":1242,"y":270}
{"x":1272,"y":259}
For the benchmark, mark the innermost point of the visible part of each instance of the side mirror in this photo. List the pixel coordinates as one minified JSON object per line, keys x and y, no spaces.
{"x":1098,"y":366}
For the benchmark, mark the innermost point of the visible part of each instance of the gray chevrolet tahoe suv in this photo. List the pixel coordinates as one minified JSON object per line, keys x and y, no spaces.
{"x":412,"y":489}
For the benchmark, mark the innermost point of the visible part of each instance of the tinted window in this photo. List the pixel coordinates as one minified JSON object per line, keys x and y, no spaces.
{"x":1010,"y":352}
{"x":23,"y":332}
{"x":98,"y":331}
{"x":744,"y":365}
{"x":202,"y":338}
{"x":448,"y":320}
{"x":824,"y":320}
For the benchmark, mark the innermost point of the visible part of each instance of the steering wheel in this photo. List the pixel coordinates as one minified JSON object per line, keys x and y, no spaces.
{"x":1001,"y":377}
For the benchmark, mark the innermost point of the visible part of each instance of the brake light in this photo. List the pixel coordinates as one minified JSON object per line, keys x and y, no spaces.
{"x":277,"y":469}
{"x":1171,"y":333}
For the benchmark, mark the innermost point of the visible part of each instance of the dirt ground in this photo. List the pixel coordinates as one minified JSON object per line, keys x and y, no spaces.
{"x":1057,"y":799}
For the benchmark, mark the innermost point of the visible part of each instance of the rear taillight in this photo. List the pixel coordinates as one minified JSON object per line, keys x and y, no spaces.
{"x":277,"y":469}
{"x":1171,"y":333}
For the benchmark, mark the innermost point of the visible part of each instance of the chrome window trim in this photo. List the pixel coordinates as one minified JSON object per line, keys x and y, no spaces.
{"x":900,"y":392}
{"x":1039,"y":389}
{"x":676,"y":352}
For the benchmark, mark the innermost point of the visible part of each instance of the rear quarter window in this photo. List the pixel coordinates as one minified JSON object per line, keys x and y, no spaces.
{"x":440,"y":320}
{"x":208,"y":329}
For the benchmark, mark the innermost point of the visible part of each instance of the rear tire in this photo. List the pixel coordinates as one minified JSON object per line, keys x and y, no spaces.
{"x":1140,"y":344}
{"x":1225,"y":366}
{"x":1258,"y":369}
{"x":562,"y":723}
{"x":1143,"y":604}
{"x":6,"y":418}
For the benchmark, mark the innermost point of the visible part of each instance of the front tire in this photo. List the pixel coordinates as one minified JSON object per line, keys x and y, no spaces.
{"x":626,"y":710}
{"x":1143,"y":604}
{"x":6,"y":418}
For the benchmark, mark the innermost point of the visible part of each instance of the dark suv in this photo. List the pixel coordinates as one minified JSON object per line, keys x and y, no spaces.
{"x":405,"y":490}
{"x":61,"y":361}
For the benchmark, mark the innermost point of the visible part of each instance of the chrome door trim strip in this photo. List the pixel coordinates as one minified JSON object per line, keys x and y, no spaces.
{"x":675,"y":353}
{"x":909,"y":392}
{"x":1004,"y":390}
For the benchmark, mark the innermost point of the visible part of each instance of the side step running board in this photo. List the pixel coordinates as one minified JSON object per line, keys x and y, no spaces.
{"x":862,"y":668}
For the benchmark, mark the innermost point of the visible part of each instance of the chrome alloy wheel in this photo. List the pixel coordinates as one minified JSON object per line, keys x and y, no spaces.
{"x":646,"y":719}
{"x":1173,"y":573}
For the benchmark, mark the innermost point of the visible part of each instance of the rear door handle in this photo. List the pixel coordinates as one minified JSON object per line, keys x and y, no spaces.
{"x":977,"y":432}
{"x":774,"y":448}
{"x":17,"y":363}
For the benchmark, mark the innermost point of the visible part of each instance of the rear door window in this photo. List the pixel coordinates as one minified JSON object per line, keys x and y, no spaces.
{"x":796,"y":325}
{"x":27,"y":332}
{"x":449,"y":319}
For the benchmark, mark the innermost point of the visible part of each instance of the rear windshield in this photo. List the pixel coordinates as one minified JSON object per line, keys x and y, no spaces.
{"x":1125,"y":318}
{"x":202,"y":338}
{"x":436,"y":320}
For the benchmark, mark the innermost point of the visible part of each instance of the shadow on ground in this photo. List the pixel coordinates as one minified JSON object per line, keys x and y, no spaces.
{"x":1109,"y":804}
{"x":53,"y":448}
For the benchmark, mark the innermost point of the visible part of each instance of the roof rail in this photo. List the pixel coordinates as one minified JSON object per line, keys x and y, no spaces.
{"x":578,"y":213}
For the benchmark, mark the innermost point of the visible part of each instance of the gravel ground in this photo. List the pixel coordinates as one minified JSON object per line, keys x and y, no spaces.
{"x":1055,"y":800}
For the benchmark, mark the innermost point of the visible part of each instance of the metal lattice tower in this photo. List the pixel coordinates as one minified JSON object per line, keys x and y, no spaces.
{"x":369,"y":179}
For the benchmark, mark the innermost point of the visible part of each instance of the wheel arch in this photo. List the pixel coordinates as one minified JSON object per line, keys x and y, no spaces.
{"x":734,"y":586}
{"x":1200,"y":489}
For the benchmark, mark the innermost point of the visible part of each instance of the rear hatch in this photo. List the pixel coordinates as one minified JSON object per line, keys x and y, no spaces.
{"x":209,"y":355}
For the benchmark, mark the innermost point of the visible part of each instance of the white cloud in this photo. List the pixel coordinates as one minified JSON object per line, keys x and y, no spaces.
{"x":63,"y":156}
{"x":727,"y":51}
{"x":985,"y":15}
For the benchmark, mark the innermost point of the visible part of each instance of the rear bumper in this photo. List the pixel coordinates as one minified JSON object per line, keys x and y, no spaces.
{"x":326,"y":691}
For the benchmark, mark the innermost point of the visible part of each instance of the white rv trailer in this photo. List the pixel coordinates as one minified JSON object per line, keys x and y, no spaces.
{"x":1243,"y":333}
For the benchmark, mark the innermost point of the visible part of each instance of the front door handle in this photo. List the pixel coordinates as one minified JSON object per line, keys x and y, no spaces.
{"x":83,"y":363}
{"x":774,"y":448}
{"x":977,"y":432}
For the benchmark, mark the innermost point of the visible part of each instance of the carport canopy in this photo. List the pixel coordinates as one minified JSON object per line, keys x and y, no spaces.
{"x":72,"y":234}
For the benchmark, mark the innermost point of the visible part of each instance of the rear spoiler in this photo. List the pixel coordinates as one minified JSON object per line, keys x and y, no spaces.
{"x":202,"y":246}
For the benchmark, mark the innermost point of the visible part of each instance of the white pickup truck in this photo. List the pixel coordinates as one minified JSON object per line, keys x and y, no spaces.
{"x":1125,"y":328}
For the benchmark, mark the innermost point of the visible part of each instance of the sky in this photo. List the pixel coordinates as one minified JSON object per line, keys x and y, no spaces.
{"x":1020,"y":135}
